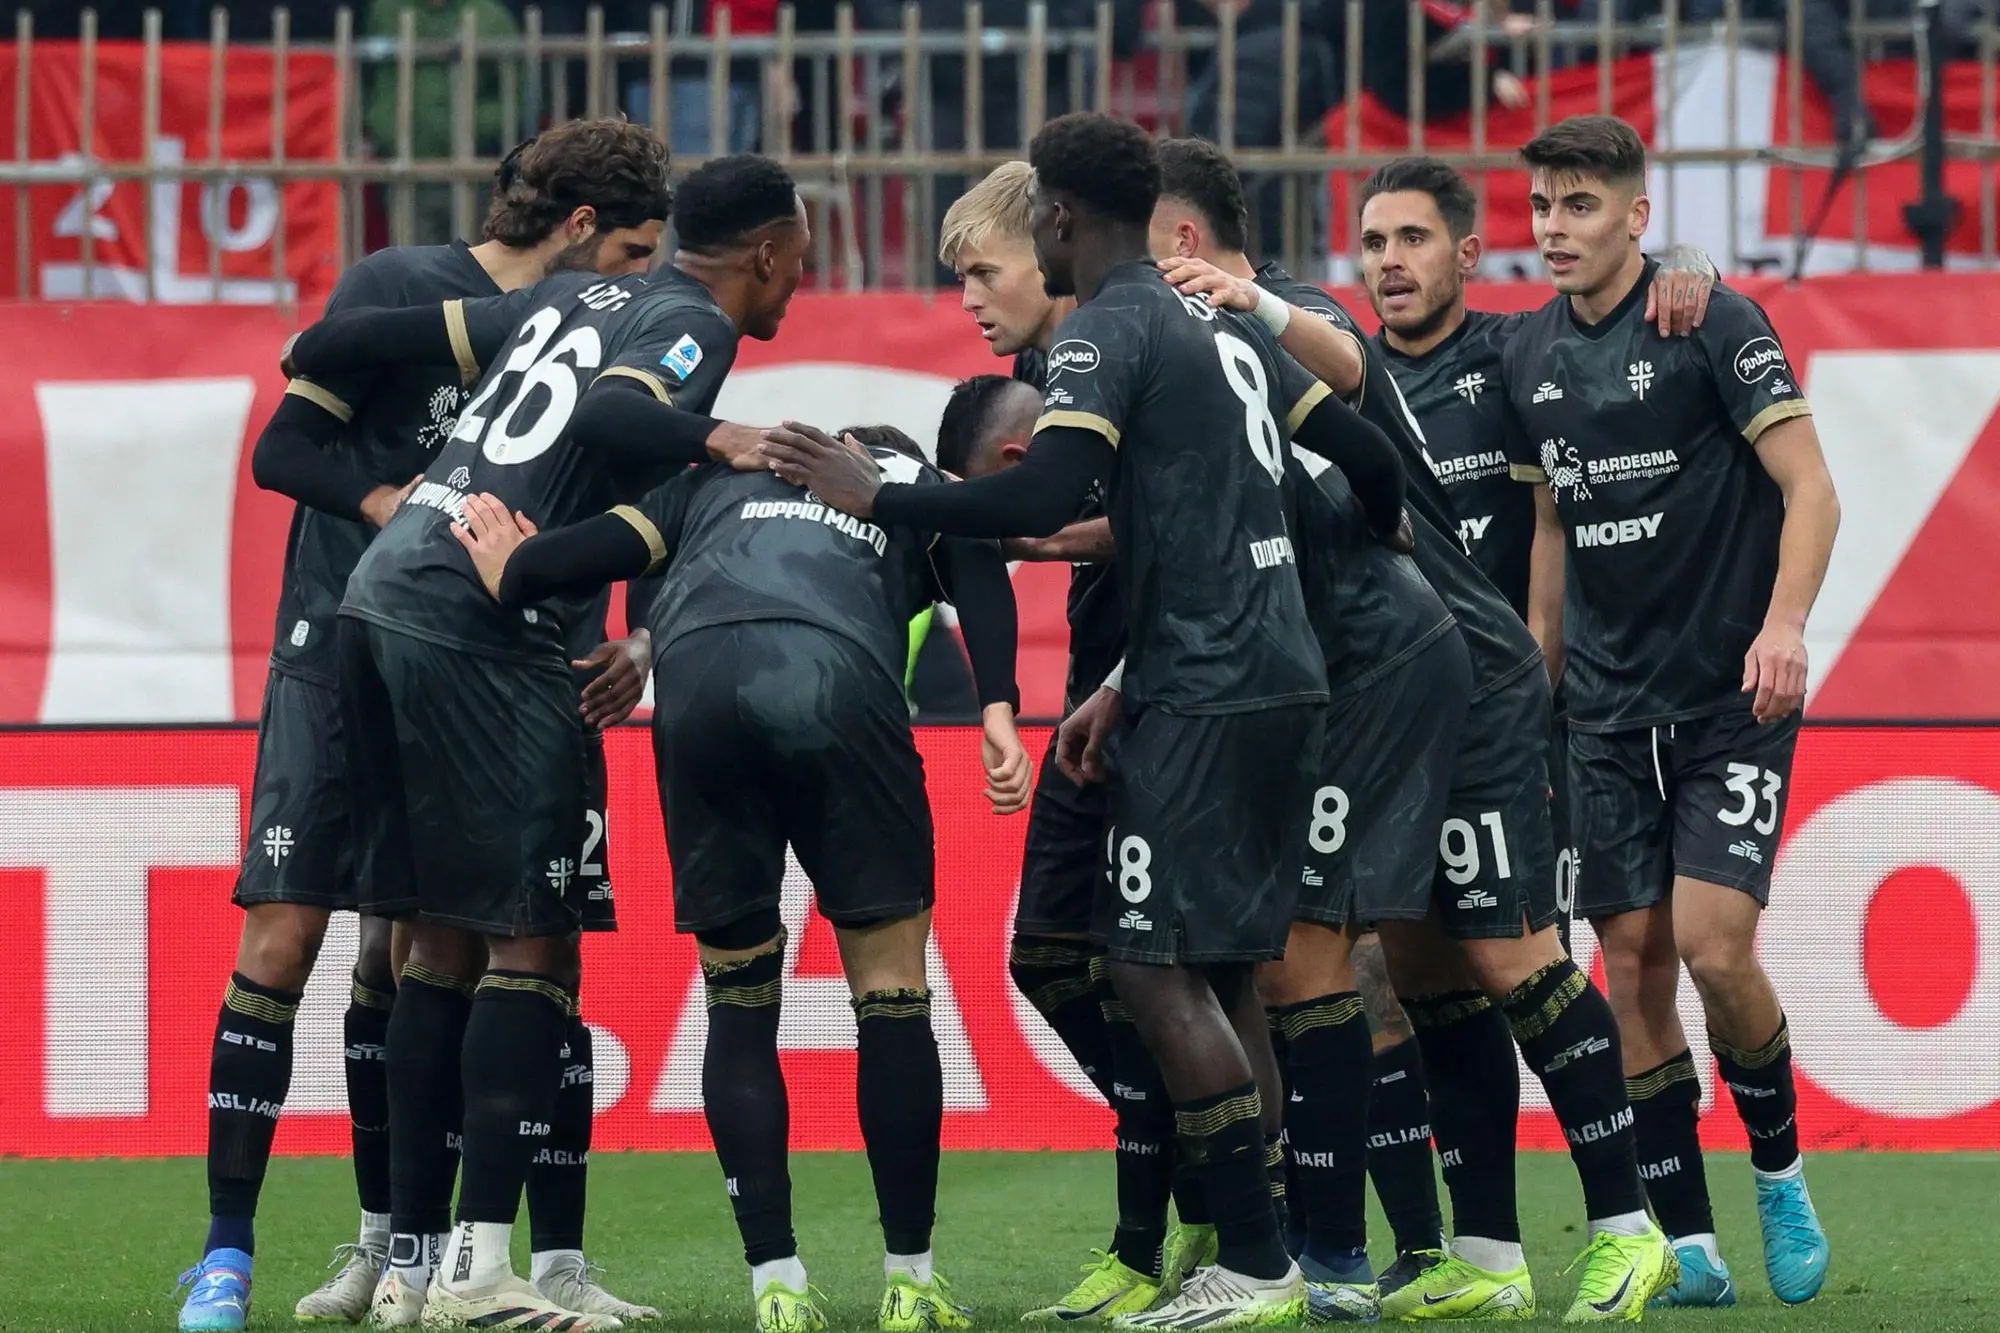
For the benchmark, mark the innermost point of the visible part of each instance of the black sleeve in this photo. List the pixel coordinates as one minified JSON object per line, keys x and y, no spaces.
{"x":1340,"y":435}
{"x":293,"y":456}
{"x":974,"y":577}
{"x":578,"y":559}
{"x":1032,"y":499}
{"x":419,"y":334}
{"x":621,"y":417}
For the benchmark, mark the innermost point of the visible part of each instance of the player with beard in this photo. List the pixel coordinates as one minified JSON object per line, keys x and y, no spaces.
{"x":1178,"y":402}
{"x":345,"y":450}
{"x":1472,"y":947}
{"x":1684,"y":520}
{"x":482,"y":842}
{"x":1418,"y":249}
{"x":782,"y":632}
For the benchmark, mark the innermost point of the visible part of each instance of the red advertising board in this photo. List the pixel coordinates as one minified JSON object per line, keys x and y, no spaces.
{"x":139,"y":566}
{"x":118,"y":849}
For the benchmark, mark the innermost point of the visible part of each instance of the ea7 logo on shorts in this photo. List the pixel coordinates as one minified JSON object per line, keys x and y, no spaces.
{"x":1757,"y":358}
{"x":1073,"y":354}
{"x":1748,"y":850}
{"x":1134,"y":921}
{"x":1619,"y":533}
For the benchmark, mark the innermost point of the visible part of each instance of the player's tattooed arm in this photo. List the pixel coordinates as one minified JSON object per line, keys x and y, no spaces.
{"x":1085,"y":543}
{"x":1678,"y":298}
{"x":1775,"y":668}
{"x":1332,"y":354}
{"x":1545,"y":582}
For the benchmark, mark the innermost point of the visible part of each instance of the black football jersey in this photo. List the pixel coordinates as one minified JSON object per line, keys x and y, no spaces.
{"x":1495,"y":635}
{"x":747,"y":546}
{"x":1096,"y":613}
{"x":1455,"y":392}
{"x":1370,"y":607}
{"x":512,"y":440}
{"x":1670,"y":520}
{"x":397,"y":417}
{"x":1198,"y":404}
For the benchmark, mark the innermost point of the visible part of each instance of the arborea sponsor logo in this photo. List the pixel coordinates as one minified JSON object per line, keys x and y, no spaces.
{"x":1757,"y":358}
{"x":1073,"y":354}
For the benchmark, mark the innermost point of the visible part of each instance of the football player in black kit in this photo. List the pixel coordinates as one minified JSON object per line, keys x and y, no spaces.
{"x":1179,"y":404}
{"x":782,"y":633}
{"x":987,"y":425}
{"x":345,"y":450}
{"x":1684,"y":519}
{"x":1471,"y":944}
{"x":1418,"y":250}
{"x":602,"y":393}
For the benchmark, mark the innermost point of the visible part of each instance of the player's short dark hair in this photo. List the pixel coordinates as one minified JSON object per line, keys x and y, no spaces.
{"x":618,"y":168}
{"x":886,"y":437}
{"x":1601,"y":146}
{"x":1195,"y":172}
{"x":968,"y":420}
{"x":727,"y":198}
{"x":1451,"y":192}
{"x":1106,"y":164}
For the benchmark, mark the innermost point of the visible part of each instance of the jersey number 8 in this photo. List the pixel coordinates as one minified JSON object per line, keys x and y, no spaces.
{"x":501,"y":444}
{"x":1245,"y":373}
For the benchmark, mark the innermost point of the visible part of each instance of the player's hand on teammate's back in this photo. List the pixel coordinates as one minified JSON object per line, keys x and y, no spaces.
{"x":737,"y":446}
{"x":621,"y":666}
{"x":380,"y":505}
{"x":1198,"y":277}
{"x":1678,"y":299}
{"x":1009,"y":774}
{"x":1775,"y":667}
{"x":839,"y":472}
{"x":1080,"y":740}
{"x":489,"y":535}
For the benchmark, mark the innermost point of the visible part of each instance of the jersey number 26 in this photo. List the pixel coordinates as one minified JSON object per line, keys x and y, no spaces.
{"x":561,"y":373}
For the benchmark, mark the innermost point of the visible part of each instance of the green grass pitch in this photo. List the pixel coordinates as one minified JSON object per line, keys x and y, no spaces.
{"x":97,"y":1245}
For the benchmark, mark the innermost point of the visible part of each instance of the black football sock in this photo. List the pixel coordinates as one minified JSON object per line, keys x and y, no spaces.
{"x":1190,"y":1208}
{"x":1054,"y":975}
{"x":426,"y":1106}
{"x":1570,"y":1040}
{"x":1223,"y":1139}
{"x":743,"y":1096}
{"x":512,"y":1068}
{"x":1760,"y":1082}
{"x":1275,"y":1179}
{"x":1278,"y":1160}
{"x":366,"y":1031}
{"x":1666,"y":1115}
{"x":1399,"y":1148}
{"x":249,"y":1073}
{"x":1326,"y":1120}
{"x":1475,"y":1088}
{"x":900,"y":1094}
{"x":1143,"y":1157}
{"x":560,"y":1172}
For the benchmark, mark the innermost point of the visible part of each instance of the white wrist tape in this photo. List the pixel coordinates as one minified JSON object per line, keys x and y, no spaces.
{"x":1272,"y":311}
{"x":1115,"y":681}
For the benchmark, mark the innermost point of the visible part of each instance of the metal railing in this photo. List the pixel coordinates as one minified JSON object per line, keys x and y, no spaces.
{"x":866,"y":118}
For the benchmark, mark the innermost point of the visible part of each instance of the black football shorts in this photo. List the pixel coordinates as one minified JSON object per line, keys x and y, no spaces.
{"x":768,"y":732}
{"x":592,"y":891}
{"x":299,"y":848}
{"x":1703,"y":798}
{"x":469,"y":783}
{"x":1208,"y":816}
{"x":1062,"y":866}
{"x":1373,"y":816}
{"x":1496,"y":851}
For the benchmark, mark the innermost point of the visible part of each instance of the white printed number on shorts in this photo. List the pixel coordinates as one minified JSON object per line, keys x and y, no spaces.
{"x":1458,"y":847}
{"x":1742,"y":784}
{"x":1131,"y":866}
{"x":591,"y":842}
{"x":1328,"y":831}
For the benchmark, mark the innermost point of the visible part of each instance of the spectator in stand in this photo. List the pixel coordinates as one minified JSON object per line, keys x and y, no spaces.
{"x":692,"y":127}
{"x":1385,"y":74}
{"x":432,"y":101}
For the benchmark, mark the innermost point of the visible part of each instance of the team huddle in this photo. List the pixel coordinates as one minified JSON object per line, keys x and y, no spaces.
{"x":1382,"y":648}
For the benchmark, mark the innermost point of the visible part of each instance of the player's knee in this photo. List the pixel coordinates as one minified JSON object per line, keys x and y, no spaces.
{"x":743,"y":973}
{"x":280,"y":944}
{"x":884,"y":955}
{"x":446,"y":951}
{"x":1718,"y":964}
{"x":373,"y":966}
{"x":1051,"y":972}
